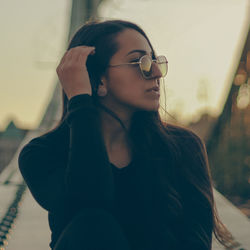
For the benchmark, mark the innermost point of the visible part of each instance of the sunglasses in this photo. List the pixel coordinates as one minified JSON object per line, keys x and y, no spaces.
{"x":145,"y":63}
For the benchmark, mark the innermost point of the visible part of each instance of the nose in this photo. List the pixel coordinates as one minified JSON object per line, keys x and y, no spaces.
{"x":156,"y":73}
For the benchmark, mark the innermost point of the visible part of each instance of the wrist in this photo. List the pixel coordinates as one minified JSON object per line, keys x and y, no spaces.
{"x":71,"y":95}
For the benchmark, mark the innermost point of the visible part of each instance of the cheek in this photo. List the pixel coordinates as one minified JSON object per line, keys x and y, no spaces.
{"x":130,"y":90}
{"x":126,"y":83}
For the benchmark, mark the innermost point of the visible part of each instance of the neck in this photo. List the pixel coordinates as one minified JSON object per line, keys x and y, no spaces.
{"x":114,"y":134}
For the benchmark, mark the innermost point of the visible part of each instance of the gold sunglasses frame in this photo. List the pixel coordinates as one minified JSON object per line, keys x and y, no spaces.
{"x":152,"y":60}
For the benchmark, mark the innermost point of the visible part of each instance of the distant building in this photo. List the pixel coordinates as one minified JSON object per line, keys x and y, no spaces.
{"x":9,"y":142}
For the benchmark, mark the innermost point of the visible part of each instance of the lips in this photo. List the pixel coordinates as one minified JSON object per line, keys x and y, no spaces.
{"x":155,"y":88}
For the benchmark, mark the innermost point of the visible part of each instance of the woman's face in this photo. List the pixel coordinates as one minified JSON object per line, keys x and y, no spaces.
{"x":127,"y":89}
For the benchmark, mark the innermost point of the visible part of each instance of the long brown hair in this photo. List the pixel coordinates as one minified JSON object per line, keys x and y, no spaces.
{"x":160,"y":139}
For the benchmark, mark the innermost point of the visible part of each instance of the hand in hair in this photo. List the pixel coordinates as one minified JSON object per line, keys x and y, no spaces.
{"x":72,"y":71}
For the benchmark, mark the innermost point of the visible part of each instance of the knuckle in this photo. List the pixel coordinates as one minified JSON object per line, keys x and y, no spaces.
{"x":70,"y":66}
{"x":75,"y":48}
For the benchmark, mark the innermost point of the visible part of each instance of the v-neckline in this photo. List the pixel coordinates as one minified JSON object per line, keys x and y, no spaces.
{"x":118,"y":169}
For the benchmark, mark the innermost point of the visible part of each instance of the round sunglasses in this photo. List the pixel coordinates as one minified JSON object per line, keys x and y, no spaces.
{"x":145,"y":63}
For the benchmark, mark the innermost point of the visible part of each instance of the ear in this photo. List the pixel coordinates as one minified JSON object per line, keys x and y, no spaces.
{"x":104,"y":81}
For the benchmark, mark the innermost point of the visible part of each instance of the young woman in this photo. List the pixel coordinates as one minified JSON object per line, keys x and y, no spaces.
{"x":111,"y":174}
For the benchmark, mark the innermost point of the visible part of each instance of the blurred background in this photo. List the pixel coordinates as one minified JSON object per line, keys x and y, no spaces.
{"x":200,"y":38}
{"x":207,"y":87}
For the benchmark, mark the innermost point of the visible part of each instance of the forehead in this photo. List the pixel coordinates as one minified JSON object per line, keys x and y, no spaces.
{"x":129,"y":40}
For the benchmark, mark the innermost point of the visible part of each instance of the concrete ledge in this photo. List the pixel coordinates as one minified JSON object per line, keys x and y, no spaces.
{"x":236,"y":222}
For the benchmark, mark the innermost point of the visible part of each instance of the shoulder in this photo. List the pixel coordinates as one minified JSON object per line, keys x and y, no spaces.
{"x":39,"y":142}
{"x":183,"y":135}
{"x":175,"y":142}
{"x":55,"y":139}
{"x":34,"y":150}
{"x":179,"y":131}
{"x":187,"y":147}
{"x":36,"y":143}
{"x":191,"y":163}
{"x":53,"y":144}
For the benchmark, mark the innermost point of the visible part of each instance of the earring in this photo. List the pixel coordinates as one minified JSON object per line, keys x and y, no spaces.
{"x":102,"y":91}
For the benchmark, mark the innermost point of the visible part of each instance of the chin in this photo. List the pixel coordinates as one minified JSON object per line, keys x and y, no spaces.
{"x":150,"y":107}
{"x":155,"y":108}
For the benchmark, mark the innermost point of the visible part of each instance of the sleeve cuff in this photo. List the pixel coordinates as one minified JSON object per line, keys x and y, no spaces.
{"x":79,"y":101}
{"x":79,"y":104}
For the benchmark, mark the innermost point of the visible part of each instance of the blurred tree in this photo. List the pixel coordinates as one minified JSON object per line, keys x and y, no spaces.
{"x":229,"y":145}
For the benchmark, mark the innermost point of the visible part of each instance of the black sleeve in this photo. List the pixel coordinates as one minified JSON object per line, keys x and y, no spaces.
{"x":86,"y":178}
{"x":43,"y":173}
{"x":89,"y":177}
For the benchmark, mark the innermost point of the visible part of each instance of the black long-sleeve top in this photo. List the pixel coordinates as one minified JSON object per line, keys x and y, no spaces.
{"x":68,"y":171}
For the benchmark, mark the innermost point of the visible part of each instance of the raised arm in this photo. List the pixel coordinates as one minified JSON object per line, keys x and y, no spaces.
{"x":81,"y":178}
{"x":89,"y":178}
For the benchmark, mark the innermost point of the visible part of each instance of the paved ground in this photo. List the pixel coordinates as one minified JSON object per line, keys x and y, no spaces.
{"x":31,"y":230}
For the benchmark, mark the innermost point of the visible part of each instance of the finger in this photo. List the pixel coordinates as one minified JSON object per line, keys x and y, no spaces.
{"x":83,"y":49}
{"x":82,"y":58}
{"x":73,"y":55}
{"x":63,"y":58}
{"x":77,"y":54}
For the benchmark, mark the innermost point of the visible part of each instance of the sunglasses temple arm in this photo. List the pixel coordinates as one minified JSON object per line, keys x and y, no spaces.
{"x":123,"y":64}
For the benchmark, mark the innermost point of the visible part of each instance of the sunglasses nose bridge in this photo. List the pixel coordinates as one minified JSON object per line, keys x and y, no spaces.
{"x":156,"y":72}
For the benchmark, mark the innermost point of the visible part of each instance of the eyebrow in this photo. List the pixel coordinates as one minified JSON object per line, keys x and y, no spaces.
{"x":140,"y":51}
